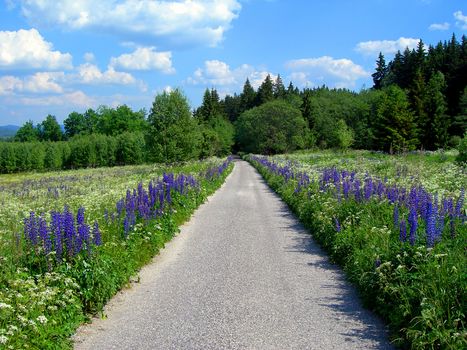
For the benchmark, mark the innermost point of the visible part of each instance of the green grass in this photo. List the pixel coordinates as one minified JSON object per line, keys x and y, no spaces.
{"x":42,"y":303}
{"x":420,"y":292}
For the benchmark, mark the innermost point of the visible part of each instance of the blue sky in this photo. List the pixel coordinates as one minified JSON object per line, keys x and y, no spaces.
{"x":62,"y":56}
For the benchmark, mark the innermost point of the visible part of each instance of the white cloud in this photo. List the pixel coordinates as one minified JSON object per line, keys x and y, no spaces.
{"x":219,"y":74}
{"x":145,"y":58}
{"x":42,"y":82}
{"x":326,"y":70}
{"x":75,"y":98}
{"x":91,"y":74}
{"x":28,"y":49}
{"x":439,"y":26}
{"x":89,"y":57}
{"x":183,"y":21}
{"x":386,"y":46}
{"x":461,"y":20}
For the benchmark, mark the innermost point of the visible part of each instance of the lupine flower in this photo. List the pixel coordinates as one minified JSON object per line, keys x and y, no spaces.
{"x":96,"y":234}
{"x":338,"y":225}
{"x":396,"y":216}
{"x":413,"y":225}
{"x":430,"y":225}
{"x":403,"y":231}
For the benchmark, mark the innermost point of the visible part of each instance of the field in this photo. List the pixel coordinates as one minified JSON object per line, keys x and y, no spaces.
{"x":396,"y":224}
{"x":70,"y":240}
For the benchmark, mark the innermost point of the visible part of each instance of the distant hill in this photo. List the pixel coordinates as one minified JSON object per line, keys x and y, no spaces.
{"x":8,"y":130}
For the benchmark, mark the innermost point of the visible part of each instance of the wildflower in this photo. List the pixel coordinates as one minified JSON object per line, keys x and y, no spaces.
{"x":3,"y":339}
{"x":96,"y":234}
{"x":403,"y":231}
{"x":42,"y":319}
{"x":396,"y":216}
{"x":338,"y":225}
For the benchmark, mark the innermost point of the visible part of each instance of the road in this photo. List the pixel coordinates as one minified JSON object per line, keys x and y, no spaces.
{"x":242,"y":274}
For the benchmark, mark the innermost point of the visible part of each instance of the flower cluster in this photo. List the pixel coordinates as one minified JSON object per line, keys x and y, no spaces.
{"x":64,"y":235}
{"x":418,"y":202}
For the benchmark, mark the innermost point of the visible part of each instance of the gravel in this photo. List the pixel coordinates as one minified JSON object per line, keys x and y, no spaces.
{"x":242,"y":274}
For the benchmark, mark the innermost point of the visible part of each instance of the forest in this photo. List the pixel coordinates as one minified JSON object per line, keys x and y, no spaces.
{"x":418,"y":102}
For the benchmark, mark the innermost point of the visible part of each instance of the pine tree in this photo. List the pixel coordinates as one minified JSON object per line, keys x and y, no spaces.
{"x":247,"y":97}
{"x":279,"y":88}
{"x":381,"y":72}
{"x":265,"y":91}
{"x":436,"y":108}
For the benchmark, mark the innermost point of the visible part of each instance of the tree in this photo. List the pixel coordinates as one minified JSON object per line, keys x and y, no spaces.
{"x":49,"y":129}
{"x":274,"y":127}
{"x":247,"y":97}
{"x":344,"y":135}
{"x":75,"y":124}
{"x":395,"y":127}
{"x":436,"y":108}
{"x":27,"y":133}
{"x":173,"y":134}
{"x":265,"y":91}
{"x":381,"y":72}
{"x":279,"y":88}
{"x":306,"y":108}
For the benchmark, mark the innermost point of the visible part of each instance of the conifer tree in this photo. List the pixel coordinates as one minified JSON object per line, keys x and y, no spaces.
{"x":381,"y":72}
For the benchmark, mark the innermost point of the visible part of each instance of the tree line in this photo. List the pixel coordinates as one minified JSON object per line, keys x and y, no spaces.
{"x":418,"y":101}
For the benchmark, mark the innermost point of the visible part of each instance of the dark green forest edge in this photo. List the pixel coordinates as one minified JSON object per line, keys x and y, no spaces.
{"x":418,"y":101}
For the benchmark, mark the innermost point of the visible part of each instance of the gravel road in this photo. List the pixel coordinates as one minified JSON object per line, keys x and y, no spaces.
{"x":242,"y":274}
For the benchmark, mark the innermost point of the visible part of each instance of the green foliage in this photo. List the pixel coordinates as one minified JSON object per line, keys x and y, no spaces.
{"x":173,"y":134}
{"x":42,"y":307}
{"x":273,"y":127}
{"x":395,"y":128}
{"x":462,"y":147}
{"x":344,"y":135}
{"x":27,"y":133}
{"x":49,"y":129}
{"x":419,"y":291}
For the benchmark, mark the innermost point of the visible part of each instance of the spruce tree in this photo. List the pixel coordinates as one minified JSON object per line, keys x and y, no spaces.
{"x":381,"y":72}
{"x":247,"y":97}
{"x":265,"y":91}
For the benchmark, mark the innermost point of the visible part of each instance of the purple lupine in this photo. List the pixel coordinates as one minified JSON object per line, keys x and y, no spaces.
{"x":120,"y":206}
{"x":413,"y":225}
{"x":395,"y":216}
{"x":30,"y":228}
{"x":96,"y":234}
{"x":338,"y":225}
{"x":56,"y":230}
{"x":126,"y":226}
{"x":430,"y":225}
{"x":403,"y":231}
{"x":69,"y":228}
{"x":44,"y":235}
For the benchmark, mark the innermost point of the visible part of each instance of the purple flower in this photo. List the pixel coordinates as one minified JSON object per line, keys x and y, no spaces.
{"x":413,"y":225}
{"x":403,"y":231}
{"x":338,"y":225}
{"x":96,"y":234}
{"x":396,"y":216}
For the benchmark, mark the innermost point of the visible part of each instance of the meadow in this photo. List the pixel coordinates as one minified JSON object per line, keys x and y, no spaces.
{"x":396,"y":224}
{"x":70,"y":240}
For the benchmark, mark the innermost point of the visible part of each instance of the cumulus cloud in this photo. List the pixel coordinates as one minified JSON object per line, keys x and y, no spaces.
{"x":461,"y":20}
{"x":439,"y":26}
{"x":89,"y":73}
{"x":145,"y":58}
{"x":219,"y":74}
{"x":373,"y":48}
{"x":341,"y":73}
{"x":28,"y":49}
{"x":42,"y":82}
{"x":89,"y":57}
{"x":75,"y":98}
{"x":184,"y":21}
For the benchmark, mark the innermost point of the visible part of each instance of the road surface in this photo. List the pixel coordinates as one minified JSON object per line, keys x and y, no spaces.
{"x":242,"y":274}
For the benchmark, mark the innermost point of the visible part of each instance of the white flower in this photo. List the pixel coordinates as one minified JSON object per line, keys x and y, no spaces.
{"x":42,"y":319}
{"x":3,"y":339}
{"x":5,"y":306}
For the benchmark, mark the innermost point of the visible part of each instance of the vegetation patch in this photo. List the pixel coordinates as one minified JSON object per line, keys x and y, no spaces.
{"x":75,"y":238}
{"x":401,"y":244}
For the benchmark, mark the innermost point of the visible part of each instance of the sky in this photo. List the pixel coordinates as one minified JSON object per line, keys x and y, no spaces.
{"x":62,"y":56}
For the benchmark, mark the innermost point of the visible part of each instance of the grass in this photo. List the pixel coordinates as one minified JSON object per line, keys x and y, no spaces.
{"x":46,"y":293}
{"x":415,"y":280}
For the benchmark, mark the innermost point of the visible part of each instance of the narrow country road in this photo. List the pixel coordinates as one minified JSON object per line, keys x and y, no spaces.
{"x":242,"y":274}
